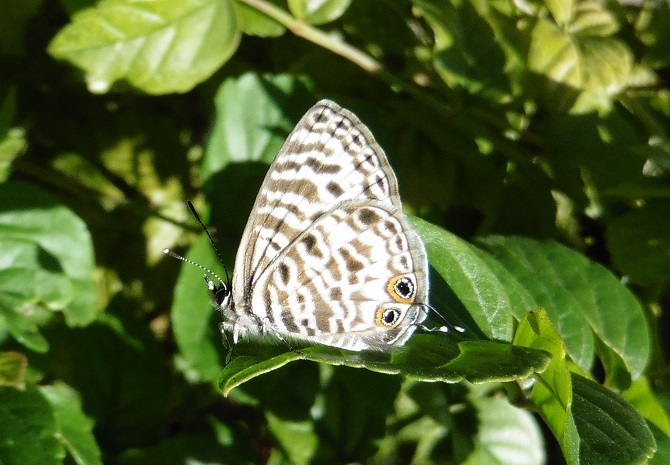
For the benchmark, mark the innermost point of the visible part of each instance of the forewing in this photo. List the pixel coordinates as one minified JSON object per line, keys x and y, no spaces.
{"x":333,"y":282}
{"x":329,"y":157}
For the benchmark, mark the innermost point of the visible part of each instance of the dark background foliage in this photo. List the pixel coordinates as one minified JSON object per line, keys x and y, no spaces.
{"x":530,"y":142}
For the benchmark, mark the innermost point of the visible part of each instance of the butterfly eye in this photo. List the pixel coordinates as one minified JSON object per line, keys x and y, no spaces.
{"x":388,"y":317}
{"x":402,"y":289}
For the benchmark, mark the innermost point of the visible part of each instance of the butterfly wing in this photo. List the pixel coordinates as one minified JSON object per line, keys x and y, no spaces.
{"x":327,"y":254}
{"x":329,"y":157}
{"x":356,"y":278}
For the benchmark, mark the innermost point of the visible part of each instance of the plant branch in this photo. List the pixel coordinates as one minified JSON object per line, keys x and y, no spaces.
{"x":337,"y":46}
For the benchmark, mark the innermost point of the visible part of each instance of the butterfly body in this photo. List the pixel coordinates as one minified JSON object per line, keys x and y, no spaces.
{"x":327,"y":255}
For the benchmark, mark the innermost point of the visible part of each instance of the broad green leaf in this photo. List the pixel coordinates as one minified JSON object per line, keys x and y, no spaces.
{"x":48,"y":263}
{"x":299,"y":436}
{"x":13,"y":369}
{"x":429,"y":357}
{"x":318,"y":11}
{"x":521,"y":300}
{"x":195,"y":322}
{"x":159,"y":47}
{"x":29,"y":429}
{"x":582,"y":52}
{"x":584,"y":300}
{"x":611,"y":431}
{"x":468,"y":278}
{"x":75,"y":429}
{"x":640,"y":243}
{"x":251,"y":120}
{"x":505,"y":435}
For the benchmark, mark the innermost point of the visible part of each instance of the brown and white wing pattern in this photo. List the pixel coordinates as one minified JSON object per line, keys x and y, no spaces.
{"x":327,"y":255}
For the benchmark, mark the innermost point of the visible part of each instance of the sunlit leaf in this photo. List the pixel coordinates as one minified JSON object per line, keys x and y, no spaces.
{"x":159,"y":47}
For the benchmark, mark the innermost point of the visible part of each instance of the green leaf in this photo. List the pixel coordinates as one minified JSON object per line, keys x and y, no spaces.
{"x":591,"y":423}
{"x":469,"y":279}
{"x":640,"y":243}
{"x":581,"y":53}
{"x":159,"y":47}
{"x":11,"y":147}
{"x":552,"y":394}
{"x":318,"y":11}
{"x":340,"y":418}
{"x":120,"y":373}
{"x":505,"y":435}
{"x":253,"y":22}
{"x":584,"y":300}
{"x":75,"y":429}
{"x":13,"y":369}
{"x":611,"y":431}
{"x":467,"y":52}
{"x":28,"y":432}
{"x":253,"y":116}
{"x":251,"y":121}
{"x":429,"y":357}
{"x":48,"y":266}
{"x":662,"y":455}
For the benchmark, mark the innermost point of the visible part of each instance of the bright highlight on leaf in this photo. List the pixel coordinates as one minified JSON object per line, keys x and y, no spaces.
{"x":158,"y":47}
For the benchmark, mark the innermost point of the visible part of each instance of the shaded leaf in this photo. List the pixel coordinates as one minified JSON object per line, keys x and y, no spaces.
{"x":75,"y":429}
{"x":583,"y":299}
{"x":13,"y":367}
{"x":640,"y":243}
{"x":42,"y":272}
{"x":611,"y":431}
{"x":28,"y":432}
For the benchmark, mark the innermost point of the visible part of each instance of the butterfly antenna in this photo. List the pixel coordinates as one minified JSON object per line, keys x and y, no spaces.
{"x":447,"y":326}
{"x":211,"y":241}
{"x":191,"y":262}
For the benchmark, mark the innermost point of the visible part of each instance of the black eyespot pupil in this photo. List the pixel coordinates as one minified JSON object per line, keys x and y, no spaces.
{"x":404,"y":288}
{"x":389,"y":317}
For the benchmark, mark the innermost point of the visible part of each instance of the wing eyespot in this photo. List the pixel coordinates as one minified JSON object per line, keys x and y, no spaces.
{"x":388,"y":317}
{"x":402,"y":288}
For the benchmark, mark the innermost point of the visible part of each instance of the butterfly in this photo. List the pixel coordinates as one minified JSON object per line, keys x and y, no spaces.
{"x":327,"y":256}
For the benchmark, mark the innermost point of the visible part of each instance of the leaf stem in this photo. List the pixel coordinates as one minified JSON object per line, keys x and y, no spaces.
{"x":336,"y":45}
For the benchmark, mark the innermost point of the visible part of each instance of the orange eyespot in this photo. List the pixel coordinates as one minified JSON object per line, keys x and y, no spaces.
{"x":402,"y":288}
{"x":388,"y":317}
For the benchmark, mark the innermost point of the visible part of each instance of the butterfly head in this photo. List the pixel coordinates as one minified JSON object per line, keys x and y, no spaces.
{"x":221,"y":293}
